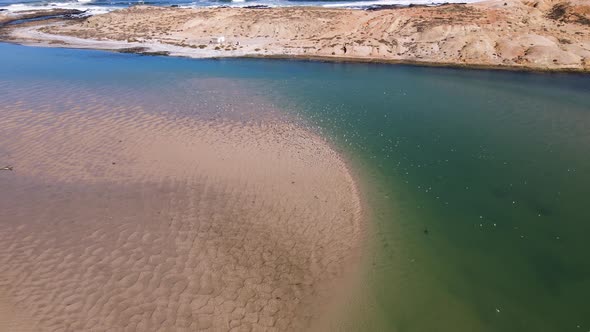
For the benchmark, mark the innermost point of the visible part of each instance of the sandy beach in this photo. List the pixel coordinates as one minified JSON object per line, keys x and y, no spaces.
{"x":511,"y":34}
{"x":121,"y":219}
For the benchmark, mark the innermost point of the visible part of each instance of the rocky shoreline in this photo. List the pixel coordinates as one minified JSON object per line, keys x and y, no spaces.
{"x":7,"y":18}
{"x":544,"y":35}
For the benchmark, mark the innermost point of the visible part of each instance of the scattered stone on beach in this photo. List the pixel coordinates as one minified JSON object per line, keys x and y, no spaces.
{"x":384,"y":7}
{"x":257,"y":7}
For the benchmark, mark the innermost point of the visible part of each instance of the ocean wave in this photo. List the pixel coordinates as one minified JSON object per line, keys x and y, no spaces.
{"x":80,"y":5}
{"x":93,"y":7}
{"x":365,"y":4}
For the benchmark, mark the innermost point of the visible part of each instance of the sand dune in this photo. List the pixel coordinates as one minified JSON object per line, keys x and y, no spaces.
{"x":122,"y":219}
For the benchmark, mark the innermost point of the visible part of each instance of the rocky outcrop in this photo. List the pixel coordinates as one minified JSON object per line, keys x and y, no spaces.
{"x":7,"y":17}
{"x":511,"y":34}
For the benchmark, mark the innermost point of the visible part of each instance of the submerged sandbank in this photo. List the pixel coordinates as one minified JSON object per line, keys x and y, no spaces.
{"x":120,"y":218}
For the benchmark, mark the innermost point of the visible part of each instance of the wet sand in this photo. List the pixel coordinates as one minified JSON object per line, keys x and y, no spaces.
{"x":118,"y":218}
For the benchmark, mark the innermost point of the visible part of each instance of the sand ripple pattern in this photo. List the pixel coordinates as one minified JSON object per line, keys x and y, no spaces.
{"x":119,"y":219}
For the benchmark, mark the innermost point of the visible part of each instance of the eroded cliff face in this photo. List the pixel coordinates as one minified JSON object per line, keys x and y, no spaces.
{"x":543,"y":35}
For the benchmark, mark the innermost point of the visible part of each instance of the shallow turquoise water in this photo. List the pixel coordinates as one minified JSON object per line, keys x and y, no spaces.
{"x":495,"y":166}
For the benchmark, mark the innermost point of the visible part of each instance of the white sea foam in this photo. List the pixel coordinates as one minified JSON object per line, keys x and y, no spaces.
{"x":90,"y":9}
{"x":80,"y":5}
{"x":364,"y":4}
{"x":235,"y":3}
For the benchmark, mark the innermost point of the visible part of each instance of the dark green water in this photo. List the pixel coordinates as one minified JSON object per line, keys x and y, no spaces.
{"x":495,"y":166}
